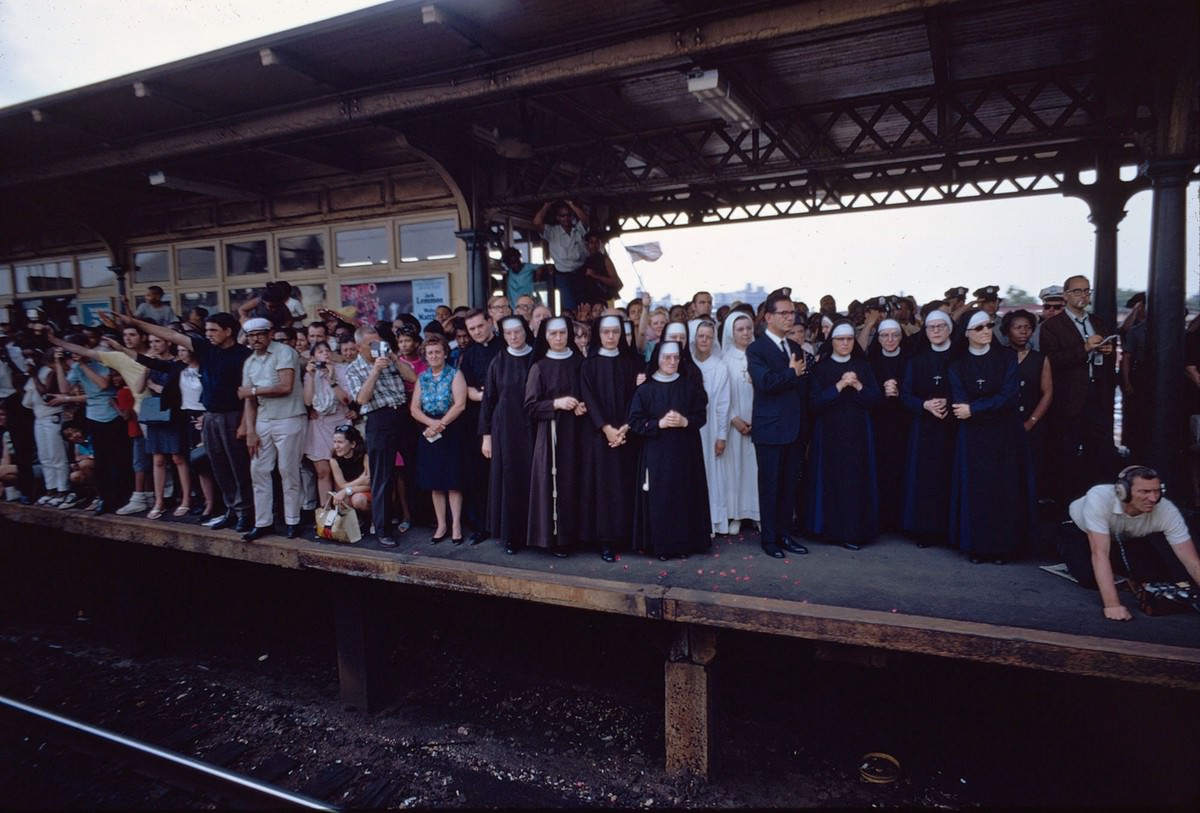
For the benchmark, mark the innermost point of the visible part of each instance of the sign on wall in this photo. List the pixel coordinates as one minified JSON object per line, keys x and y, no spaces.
{"x":385,"y":300}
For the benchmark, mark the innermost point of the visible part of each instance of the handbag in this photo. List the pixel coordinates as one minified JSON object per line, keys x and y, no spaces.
{"x":338,"y":524}
{"x":152,"y":410}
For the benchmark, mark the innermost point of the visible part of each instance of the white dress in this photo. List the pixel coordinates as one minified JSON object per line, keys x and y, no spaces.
{"x":716,"y":427}
{"x":740,"y":463}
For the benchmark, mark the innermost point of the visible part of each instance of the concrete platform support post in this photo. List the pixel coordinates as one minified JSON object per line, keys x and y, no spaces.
{"x":689,"y":700}
{"x":359,"y":670}
{"x":1165,"y":313}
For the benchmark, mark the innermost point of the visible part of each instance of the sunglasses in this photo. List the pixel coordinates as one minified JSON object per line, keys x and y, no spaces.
{"x":343,"y":429}
{"x":980,"y":328}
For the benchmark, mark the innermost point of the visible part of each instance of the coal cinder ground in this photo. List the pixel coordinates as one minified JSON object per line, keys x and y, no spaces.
{"x":497,"y":703}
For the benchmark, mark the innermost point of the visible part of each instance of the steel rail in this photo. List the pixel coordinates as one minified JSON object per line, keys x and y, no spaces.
{"x":168,"y":766}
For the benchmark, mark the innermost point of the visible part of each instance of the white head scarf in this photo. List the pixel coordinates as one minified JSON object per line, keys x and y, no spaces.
{"x":844,"y":329}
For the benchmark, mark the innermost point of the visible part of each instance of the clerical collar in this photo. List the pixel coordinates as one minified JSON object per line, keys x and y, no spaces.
{"x":559,"y":354}
{"x":940,"y":348}
{"x":608,"y":354}
{"x":839,"y":358}
{"x":890,"y":354}
{"x":980,"y":351}
{"x":659,"y":375}
{"x":524,"y":351}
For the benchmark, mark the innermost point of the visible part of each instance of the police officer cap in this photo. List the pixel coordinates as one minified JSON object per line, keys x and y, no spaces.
{"x":988,"y":292}
{"x":1051,"y":292}
{"x":877,"y":303}
{"x":784,"y":291}
{"x":956,"y":293}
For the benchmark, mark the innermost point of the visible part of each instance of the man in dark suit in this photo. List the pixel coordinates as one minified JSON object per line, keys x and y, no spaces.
{"x":779,"y":374}
{"x":1080,"y":348}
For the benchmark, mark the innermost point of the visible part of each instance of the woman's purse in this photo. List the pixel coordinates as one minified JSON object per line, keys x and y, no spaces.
{"x":338,"y":523}
{"x":152,"y":410}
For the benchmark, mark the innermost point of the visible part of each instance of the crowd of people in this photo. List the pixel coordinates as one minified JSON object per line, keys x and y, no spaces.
{"x":596,"y":428}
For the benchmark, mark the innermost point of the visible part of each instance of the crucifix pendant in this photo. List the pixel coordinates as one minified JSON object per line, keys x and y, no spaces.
{"x":937,"y":381}
{"x":980,"y":382}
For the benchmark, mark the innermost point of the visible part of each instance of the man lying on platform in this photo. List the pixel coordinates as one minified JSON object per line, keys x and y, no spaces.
{"x":1143,"y":524}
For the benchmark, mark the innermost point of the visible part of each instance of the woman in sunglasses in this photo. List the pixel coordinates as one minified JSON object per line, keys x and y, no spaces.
{"x":992,"y":509}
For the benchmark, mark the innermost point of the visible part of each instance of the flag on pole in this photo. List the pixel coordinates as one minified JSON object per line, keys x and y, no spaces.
{"x":645,"y":251}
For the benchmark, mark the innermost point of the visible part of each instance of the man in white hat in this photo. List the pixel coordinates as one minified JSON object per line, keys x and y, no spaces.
{"x":275,"y":421}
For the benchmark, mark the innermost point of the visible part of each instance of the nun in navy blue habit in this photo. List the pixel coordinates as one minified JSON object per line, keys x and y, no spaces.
{"x":670,"y":512}
{"x":843,"y":503}
{"x":925,"y":393}
{"x":888,"y":356}
{"x":992,"y":497}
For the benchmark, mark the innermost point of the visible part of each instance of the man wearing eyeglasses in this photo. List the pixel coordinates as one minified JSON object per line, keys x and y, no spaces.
{"x":778,"y":370}
{"x":1080,"y":347}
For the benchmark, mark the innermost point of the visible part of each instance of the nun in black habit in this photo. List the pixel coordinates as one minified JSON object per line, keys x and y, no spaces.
{"x":670,"y":512}
{"x":554,"y":403}
{"x":507,"y":435}
{"x":925,"y":393}
{"x":888,"y":356}
{"x":992,"y":499}
{"x":607,"y":381}
{"x":843,"y":503}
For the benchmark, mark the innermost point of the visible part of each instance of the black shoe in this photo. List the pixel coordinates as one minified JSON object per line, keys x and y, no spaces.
{"x":456,"y":540}
{"x":478,"y":537}
{"x":851,"y":546}
{"x":922,"y":545}
{"x":772,"y":550}
{"x":510,"y":548}
{"x":244,"y":525}
{"x":100,"y":508}
{"x":559,"y":554}
{"x":975,"y":560}
{"x":436,"y":539}
{"x":257,"y":533}
{"x":387,"y":541}
{"x":607,"y":555}
{"x":789,"y":544}
{"x":221,"y":521}
{"x":999,"y":560}
{"x":293,"y":531}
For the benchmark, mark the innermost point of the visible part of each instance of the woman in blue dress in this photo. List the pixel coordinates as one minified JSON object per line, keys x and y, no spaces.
{"x":439,"y":399}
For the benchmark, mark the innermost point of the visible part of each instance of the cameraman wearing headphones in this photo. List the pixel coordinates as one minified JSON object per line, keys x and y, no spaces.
{"x":1126,"y":512}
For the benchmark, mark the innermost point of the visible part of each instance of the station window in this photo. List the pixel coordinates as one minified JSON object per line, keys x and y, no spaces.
{"x":94,"y":273}
{"x":47,"y":276}
{"x":6,"y":286}
{"x":208,"y":300}
{"x":245,"y":257}
{"x":301,"y":252}
{"x":196,"y":262}
{"x":151,"y":266}
{"x":432,"y":240}
{"x":358,"y":247}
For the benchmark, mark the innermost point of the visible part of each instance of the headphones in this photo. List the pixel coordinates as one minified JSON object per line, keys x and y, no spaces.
{"x":1124,"y":485}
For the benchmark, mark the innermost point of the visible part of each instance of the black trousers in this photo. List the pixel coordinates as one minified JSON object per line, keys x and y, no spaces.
{"x":1147,"y":559}
{"x":1081,"y":450}
{"x":20,"y":429}
{"x":383,"y":441}
{"x":113,"y":472}
{"x":780,"y":467}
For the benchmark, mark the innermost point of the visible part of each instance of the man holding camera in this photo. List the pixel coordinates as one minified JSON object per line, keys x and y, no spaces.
{"x":376,"y":383}
{"x":1127,"y":512}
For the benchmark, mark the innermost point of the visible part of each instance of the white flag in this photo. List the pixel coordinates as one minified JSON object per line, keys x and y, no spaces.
{"x":645,"y":251}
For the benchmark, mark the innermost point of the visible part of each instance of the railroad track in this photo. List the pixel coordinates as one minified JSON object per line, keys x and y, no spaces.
{"x":229,"y":774}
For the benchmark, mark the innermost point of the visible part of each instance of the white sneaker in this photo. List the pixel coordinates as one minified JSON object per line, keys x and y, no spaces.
{"x":136,"y":505}
{"x":69,"y":500}
{"x":45,"y":499}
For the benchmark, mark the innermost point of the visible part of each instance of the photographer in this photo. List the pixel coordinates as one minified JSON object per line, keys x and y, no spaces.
{"x":1135,"y":515}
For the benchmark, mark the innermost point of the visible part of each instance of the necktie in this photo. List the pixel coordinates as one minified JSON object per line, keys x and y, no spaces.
{"x":783,"y":346}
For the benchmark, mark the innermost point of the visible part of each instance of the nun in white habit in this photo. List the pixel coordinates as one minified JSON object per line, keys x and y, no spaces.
{"x":715,"y":432}
{"x":740,"y":464}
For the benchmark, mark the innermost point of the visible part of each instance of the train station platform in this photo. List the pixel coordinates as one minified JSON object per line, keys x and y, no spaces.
{"x":889,"y":597}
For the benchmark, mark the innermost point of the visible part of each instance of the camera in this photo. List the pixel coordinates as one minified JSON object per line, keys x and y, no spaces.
{"x":376,"y":349}
{"x":320,"y":365}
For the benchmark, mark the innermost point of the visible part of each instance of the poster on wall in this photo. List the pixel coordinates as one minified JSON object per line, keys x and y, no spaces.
{"x":384,"y":301}
{"x":89,"y":311}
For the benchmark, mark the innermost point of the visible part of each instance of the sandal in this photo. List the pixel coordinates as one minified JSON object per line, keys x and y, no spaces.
{"x":404,"y":527}
{"x":182,"y":511}
{"x":155,"y":513}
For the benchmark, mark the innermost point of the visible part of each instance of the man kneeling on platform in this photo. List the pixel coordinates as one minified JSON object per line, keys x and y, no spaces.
{"x":1127,"y":527}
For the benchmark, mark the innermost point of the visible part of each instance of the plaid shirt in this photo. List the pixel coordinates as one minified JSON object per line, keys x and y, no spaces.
{"x":389,"y":387}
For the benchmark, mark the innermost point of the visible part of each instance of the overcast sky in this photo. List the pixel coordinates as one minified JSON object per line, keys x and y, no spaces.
{"x":47,"y":46}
